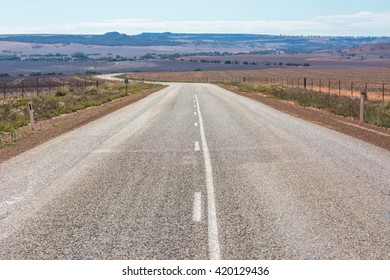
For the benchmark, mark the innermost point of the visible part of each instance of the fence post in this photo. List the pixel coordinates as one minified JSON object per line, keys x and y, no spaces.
{"x":304,"y":83}
{"x":329,"y":86}
{"x":383,"y":92}
{"x":351,"y":89}
{"x":4,"y":89}
{"x":37,"y":89}
{"x":49,"y":87}
{"x":320,"y":85}
{"x":339,"y":87}
{"x":22,"y":89}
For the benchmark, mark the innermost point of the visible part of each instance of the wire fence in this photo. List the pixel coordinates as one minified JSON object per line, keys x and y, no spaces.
{"x":374,"y":90}
{"x":28,"y":88}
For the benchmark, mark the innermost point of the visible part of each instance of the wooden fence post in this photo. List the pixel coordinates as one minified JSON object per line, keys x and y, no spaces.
{"x":4,"y":89}
{"x":383,"y":92}
{"x":339,"y":87}
{"x":351,"y":89}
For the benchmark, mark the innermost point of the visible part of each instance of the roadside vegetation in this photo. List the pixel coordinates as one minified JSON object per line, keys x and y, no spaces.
{"x":376,"y":112}
{"x":14,"y":113}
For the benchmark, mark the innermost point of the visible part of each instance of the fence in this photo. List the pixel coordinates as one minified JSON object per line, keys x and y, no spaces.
{"x":374,"y":90}
{"x":42,"y":86}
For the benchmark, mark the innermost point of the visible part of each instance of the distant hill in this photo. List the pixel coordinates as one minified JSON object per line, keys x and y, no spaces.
{"x":108,"y":39}
{"x":264,"y":43}
{"x":379,"y":48}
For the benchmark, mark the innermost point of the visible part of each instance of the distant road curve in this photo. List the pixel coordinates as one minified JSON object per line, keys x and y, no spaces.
{"x":111,"y":77}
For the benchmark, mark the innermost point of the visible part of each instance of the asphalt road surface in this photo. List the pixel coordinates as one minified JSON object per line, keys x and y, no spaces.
{"x":197,"y":172}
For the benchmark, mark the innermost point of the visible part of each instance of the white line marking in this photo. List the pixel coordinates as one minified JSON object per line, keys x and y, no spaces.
{"x":195,"y":113}
{"x":197,"y":211}
{"x":197,"y":146}
{"x":194,"y":106}
{"x":214,"y":250}
{"x":196,"y":124}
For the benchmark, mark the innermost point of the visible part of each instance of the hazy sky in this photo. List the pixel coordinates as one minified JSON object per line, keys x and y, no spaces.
{"x":293,"y":17}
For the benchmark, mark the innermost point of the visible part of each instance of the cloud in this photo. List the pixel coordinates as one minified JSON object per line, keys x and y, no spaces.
{"x":359,"y":24}
{"x":362,"y":23}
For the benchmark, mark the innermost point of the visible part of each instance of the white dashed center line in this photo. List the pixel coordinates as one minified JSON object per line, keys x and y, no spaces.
{"x":197,"y":146}
{"x":197,"y":211}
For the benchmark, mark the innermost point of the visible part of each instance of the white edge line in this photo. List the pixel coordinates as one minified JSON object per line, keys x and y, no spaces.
{"x":214,"y":249}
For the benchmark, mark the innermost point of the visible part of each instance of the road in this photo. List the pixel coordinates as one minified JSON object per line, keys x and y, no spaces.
{"x":196,"y":172}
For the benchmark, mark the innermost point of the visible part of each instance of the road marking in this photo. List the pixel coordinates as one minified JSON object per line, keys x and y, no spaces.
{"x":196,"y":124}
{"x":197,"y":211}
{"x":195,"y":113}
{"x":214,"y":250}
{"x":194,"y":106}
{"x":197,"y":146}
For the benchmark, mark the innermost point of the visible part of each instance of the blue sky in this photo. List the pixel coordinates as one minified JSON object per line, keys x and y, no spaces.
{"x":293,"y":17}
